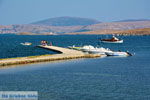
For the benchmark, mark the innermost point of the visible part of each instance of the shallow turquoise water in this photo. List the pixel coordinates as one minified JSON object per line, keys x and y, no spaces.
{"x":109,"y":78}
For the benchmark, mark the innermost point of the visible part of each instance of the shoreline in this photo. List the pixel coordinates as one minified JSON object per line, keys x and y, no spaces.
{"x":146,"y":34}
{"x":113,"y":34}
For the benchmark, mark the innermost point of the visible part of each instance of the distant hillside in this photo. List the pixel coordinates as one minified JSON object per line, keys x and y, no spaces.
{"x":132,"y":20}
{"x":143,"y":31}
{"x":51,"y":30}
{"x":66,"y":21}
{"x":120,"y":25}
{"x":38,"y":29}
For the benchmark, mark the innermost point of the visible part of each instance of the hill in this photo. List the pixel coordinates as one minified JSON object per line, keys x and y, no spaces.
{"x":120,"y":25}
{"x":66,"y":21}
{"x":73,"y":28}
{"x":143,"y":31}
{"x":132,"y":20}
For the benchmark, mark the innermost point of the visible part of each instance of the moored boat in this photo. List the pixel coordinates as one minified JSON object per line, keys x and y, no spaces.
{"x":93,"y":50}
{"x":118,"y":53}
{"x":112,"y":40}
{"x":26,"y":43}
{"x":74,"y":47}
{"x":87,"y":48}
{"x":100,"y":50}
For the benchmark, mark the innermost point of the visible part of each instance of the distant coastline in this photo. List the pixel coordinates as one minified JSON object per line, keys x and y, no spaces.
{"x":75,"y":25}
{"x":143,"y":31}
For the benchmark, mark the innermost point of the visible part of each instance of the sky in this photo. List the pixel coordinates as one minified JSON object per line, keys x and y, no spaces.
{"x":28,"y":11}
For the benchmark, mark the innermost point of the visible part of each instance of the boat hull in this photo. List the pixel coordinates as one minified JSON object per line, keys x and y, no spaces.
{"x":120,"y":41}
{"x":26,"y":43}
{"x":96,"y":52}
{"x":75,"y":48}
{"x":117,"y":54}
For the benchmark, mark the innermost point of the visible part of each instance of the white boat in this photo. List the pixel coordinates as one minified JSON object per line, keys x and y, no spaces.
{"x":100,"y":50}
{"x":118,"y":53}
{"x":87,"y":48}
{"x":112,"y":40}
{"x":26,"y":43}
{"x":93,"y":50}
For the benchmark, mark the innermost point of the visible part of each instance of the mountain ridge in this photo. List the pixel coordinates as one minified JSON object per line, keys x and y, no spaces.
{"x":66,"y":21}
{"x":47,"y":29}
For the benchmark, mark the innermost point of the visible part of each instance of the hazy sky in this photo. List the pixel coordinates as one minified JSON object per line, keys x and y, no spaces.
{"x":27,"y":11}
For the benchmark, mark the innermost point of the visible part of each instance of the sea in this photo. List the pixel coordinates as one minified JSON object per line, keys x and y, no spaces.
{"x":106,"y":78}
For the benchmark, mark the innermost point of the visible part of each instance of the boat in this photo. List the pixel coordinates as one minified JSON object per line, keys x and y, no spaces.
{"x":74,"y":47}
{"x":100,"y":50}
{"x":93,"y":50}
{"x":112,"y":40}
{"x":118,"y":53}
{"x":87,"y":48}
{"x":26,"y":43}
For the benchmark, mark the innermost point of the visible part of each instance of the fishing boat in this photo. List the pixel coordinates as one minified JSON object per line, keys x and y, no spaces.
{"x":118,"y":53}
{"x":26,"y":43}
{"x":112,"y":40}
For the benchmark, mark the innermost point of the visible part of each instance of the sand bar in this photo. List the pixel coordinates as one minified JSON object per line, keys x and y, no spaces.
{"x":65,"y":54}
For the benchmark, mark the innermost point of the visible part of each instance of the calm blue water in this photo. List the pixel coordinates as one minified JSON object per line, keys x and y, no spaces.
{"x":109,"y":78}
